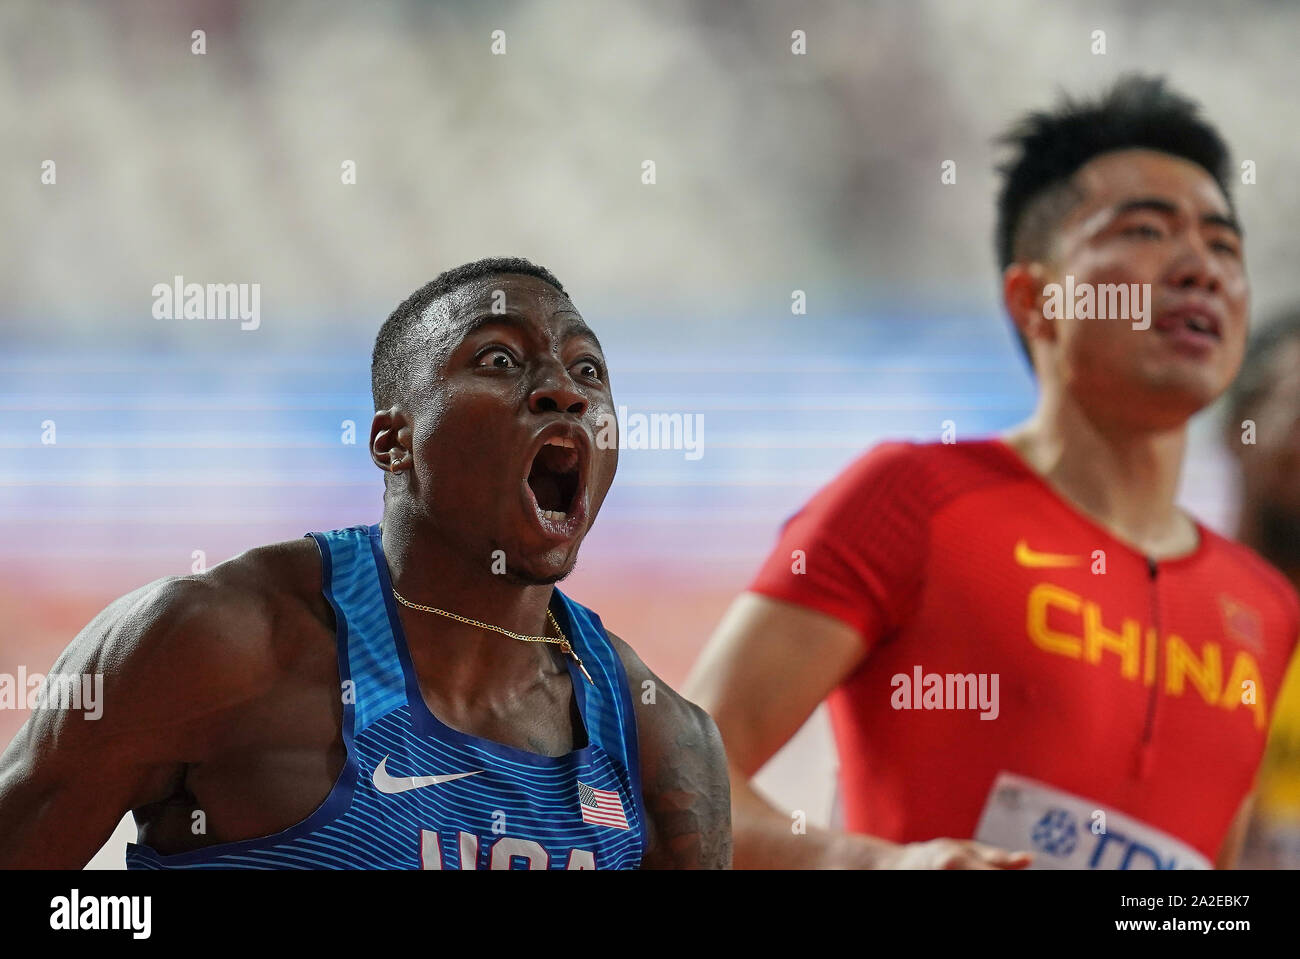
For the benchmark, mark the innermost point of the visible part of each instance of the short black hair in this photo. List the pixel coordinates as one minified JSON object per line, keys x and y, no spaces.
{"x":1137,"y":112}
{"x":393,"y":344}
{"x":1258,"y":375}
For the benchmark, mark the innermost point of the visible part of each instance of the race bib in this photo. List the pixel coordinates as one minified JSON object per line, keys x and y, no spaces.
{"x":1065,"y":831}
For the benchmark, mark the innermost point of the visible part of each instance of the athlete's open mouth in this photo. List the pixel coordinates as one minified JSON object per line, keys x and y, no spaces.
{"x":556,"y":479}
{"x":553,"y":477}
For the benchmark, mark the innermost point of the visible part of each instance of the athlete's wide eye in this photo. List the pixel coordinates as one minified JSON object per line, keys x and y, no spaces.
{"x":588,"y":369}
{"x":497,"y":359}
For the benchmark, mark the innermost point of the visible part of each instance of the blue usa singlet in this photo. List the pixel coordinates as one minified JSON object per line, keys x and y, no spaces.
{"x":417,"y":794}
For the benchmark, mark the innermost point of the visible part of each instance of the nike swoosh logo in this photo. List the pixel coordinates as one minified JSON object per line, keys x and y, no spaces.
{"x":400,"y":784}
{"x":1035,"y":560}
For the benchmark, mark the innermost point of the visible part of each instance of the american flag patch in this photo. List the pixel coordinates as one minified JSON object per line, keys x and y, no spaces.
{"x":601,"y":807}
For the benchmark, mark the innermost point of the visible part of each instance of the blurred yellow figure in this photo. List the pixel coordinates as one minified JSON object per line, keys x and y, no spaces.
{"x":1263,"y":433}
{"x":1273,"y":841}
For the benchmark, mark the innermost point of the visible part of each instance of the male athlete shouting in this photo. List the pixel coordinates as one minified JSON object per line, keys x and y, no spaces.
{"x":411,"y":695}
{"x":1137,"y":653}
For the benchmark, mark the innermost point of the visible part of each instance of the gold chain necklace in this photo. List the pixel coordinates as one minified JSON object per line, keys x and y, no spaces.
{"x":563,"y":642}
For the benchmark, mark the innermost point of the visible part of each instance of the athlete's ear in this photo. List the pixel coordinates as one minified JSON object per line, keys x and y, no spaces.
{"x":1022,"y":294}
{"x":390,"y":439}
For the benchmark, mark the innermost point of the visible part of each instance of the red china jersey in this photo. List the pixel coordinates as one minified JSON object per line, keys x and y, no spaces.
{"x":1145,"y":687}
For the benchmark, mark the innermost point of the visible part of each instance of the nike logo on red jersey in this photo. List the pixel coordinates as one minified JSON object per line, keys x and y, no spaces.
{"x":1036,"y":560}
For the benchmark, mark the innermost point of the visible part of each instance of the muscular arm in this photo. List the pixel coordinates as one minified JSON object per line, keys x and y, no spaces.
{"x":767,"y":667}
{"x":683,"y":775}
{"x":169,"y":674}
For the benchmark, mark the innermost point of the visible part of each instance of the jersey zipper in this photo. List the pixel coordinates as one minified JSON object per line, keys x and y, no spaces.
{"x":1148,"y":726}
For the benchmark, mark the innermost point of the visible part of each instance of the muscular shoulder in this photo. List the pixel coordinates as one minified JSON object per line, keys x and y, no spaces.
{"x":647,"y":689}
{"x":184,"y":648}
{"x":243,"y":608}
{"x":155,"y":683}
{"x":684,"y":777}
{"x":278,"y":588}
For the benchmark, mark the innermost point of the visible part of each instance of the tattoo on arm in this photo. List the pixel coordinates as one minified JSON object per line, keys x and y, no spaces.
{"x":689,"y":800}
